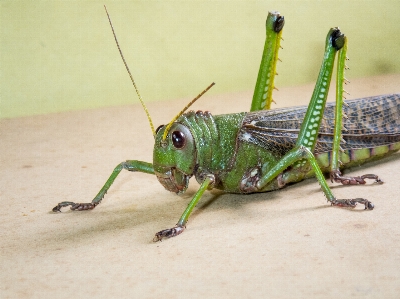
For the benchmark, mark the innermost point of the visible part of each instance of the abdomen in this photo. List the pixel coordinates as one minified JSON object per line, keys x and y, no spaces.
{"x":372,"y":130}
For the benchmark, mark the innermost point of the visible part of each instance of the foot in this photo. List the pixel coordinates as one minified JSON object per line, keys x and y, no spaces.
{"x":357,"y":180}
{"x":352,"y":203}
{"x":168,"y":233}
{"x":75,"y":206}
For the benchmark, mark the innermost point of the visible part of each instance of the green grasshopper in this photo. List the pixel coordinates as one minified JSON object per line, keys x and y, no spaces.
{"x":264,"y":150}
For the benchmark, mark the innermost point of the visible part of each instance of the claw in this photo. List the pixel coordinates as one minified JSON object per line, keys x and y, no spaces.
{"x":56,"y":209}
{"x":373,"y":177}
{"x":168,"y":233}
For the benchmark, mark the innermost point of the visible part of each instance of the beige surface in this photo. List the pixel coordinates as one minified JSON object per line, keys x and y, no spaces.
{"x":283,"y":244}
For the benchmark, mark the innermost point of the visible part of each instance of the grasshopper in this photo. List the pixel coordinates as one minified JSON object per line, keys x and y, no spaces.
{"x":264,"y":150}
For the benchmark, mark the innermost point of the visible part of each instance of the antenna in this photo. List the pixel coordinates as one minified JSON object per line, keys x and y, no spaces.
{"x":184,"y":109}
{"x":130,"y":75}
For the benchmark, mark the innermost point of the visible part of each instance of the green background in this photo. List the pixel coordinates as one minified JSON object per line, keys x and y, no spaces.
{"x":60,"y":55}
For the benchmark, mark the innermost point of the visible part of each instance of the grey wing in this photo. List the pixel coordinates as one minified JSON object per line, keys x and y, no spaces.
{"x":370,"y":122}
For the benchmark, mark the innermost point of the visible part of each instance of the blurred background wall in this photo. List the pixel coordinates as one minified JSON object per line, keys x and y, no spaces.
{"x":60,"y":55}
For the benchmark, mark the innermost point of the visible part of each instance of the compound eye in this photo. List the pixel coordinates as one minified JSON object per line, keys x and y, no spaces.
{"x":178,"y":139}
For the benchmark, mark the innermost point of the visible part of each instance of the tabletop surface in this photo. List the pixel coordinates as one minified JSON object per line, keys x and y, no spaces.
{"x":283,"y":244}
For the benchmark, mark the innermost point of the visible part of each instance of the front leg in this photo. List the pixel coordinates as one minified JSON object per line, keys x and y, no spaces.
{"x":181,"y":225}
{"x":131,"y":165}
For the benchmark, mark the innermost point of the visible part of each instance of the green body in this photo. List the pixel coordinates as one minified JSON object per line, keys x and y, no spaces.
{"x":245,"y":146}
{"x":264,"y":149}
